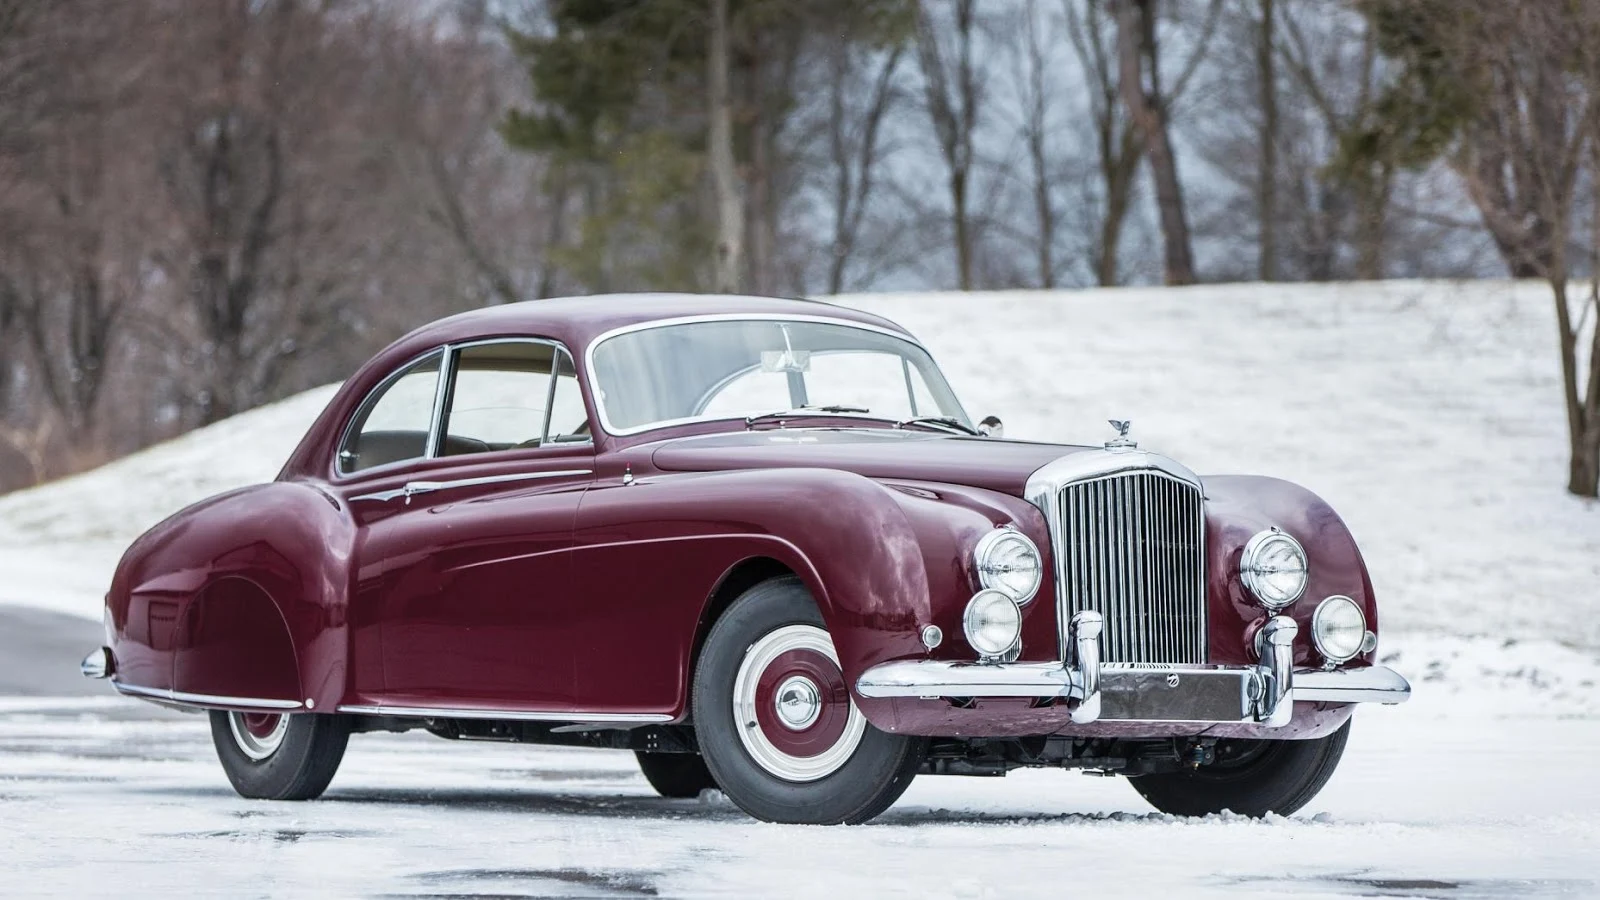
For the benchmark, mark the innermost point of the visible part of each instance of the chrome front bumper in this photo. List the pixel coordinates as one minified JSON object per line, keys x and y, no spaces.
{"x":1107,"y":692}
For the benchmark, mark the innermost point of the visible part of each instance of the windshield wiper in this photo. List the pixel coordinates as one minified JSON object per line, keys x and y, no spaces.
{"x":797,"y":411}
{"x":946,"y":422}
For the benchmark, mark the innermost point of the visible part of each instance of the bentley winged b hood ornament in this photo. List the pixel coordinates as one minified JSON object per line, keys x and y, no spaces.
{"x":1121,"y":441}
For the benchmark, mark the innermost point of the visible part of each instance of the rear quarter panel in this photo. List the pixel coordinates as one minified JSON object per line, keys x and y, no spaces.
{"x":241,"y":595}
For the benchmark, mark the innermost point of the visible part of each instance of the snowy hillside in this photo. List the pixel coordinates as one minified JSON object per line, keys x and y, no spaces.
{"x":1427,"y":413}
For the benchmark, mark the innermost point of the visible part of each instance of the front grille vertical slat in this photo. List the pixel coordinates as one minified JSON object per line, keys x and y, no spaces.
{"x":1143,"y":632}
{"x":1169,"y":608}
{"x":1198,"y":621}
{"x":1119,"y":563}
{"x":1131,"y":547}
{"x":1184,"y":561}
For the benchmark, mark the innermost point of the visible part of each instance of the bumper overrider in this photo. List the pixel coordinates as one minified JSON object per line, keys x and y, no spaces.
{"x":1263,"y":694}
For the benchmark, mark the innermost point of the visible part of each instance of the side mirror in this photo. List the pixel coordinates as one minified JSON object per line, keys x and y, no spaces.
{"x":991,"y":426}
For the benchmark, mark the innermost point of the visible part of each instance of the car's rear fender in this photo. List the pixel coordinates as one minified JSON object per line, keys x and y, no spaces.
{"x":240,"y":596}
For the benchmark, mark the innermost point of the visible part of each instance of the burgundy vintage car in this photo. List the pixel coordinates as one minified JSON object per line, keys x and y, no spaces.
{"x":760,"y":543}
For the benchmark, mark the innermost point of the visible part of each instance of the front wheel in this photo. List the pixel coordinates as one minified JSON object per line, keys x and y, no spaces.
{"x":269,"y":756}
{"x":775,"y":721}
{"x":1251,"y":778}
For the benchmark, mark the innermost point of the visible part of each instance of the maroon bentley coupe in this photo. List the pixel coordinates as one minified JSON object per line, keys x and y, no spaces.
{"x":761,"y":544}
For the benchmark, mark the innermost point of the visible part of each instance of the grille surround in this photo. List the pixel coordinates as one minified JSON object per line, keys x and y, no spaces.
{"x":1127,"y":533}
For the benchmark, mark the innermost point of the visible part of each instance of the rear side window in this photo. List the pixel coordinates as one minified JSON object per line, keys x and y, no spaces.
{"x":393,"y":424}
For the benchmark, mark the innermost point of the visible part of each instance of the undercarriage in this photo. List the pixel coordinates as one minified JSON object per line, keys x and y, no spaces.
{"x":980,"y":757}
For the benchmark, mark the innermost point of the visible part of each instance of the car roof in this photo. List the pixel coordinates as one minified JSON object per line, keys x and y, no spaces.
{"x":578,"y":320}
{"x":574,"y":321}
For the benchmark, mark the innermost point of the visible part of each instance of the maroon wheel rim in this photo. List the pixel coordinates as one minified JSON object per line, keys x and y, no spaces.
{"x":803,"y":670}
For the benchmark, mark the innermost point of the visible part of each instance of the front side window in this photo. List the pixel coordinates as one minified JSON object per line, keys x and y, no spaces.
{"x":393,"y":424}
{"x":731,"y":369}
{"x":511,"y":395}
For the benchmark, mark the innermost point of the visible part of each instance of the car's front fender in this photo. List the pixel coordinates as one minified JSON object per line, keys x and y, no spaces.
{"x":1238,"y":507}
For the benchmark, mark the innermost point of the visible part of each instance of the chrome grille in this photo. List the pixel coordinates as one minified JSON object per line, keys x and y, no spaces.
{"x":1131,"y":547}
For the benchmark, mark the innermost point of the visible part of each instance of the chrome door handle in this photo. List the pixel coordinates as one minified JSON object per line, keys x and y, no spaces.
{"x":412,"y":488}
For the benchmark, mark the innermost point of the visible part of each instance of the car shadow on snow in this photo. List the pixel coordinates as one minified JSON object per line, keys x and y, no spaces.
{"x":543,"y":882}
{"x":711,"y":807}
{"x":1367,"y":883}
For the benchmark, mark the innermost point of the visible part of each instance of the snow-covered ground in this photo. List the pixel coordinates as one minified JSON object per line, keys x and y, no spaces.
{"x":1432,"y":801}
{"x":1429,"y":414}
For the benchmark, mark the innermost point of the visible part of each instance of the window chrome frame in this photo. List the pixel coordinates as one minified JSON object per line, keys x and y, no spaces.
{"x":444,"y":389}
{"x":592,"y":381}
{"x":370,"y":399}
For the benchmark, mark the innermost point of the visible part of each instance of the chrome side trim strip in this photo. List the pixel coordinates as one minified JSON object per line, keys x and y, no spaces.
{"x":182,"y":698}
{"x":421,"y":712}
{"x":412,"y":488}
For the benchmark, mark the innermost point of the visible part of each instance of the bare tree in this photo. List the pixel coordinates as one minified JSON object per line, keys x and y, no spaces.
{"x":1522,"y":81}
{"x":72,"y":264}
{"x":950,"y":82}
{"x":1035,"y":133}
{"x":719,"y":143}
{"x":1118,"y":150}
{"x":1149,"y":108}
{"x":854,"y":148}
{"x":487,"y":201}
{"x":1267,"y":181}
{"x":1335,"y":74}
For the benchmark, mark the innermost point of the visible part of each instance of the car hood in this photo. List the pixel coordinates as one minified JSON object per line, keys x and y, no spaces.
{"x":993,"y":464}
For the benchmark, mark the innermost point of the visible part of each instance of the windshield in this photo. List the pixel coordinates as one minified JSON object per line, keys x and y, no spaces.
{"x":733,"y":369}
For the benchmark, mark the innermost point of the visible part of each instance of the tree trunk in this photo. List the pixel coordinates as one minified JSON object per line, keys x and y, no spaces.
{"x":952,"y":106}
{"x":958,"y":196}
{"x":1118,"y":168}
{"x":1038,"y":155}
{"x":555,"y":231}
{"x":853,"y":193}
{"x":724,"y":178}
{"x":1372,"y":206}
{"x":1137,"y":52}
{"x":1582,"y":402}
{"x":1267,"y":185}
{"x":762,"y":279}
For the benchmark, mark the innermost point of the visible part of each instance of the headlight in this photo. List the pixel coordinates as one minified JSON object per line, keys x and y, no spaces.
{"x":1273,"y":567}
{"x":1338,"y":629}
{"x":993,"y":623}
{"x":1008,"y":562}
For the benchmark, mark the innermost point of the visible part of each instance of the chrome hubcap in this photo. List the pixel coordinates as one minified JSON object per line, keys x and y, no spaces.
{"x":258,"y":735}
{"x":792,"y":708}
{"x":799,"y":703}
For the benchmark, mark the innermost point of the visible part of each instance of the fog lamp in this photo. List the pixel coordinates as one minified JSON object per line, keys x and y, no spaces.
{"x":993,"y":624}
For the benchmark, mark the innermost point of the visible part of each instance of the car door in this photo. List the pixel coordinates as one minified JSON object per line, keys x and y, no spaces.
{"x":465,"y":561}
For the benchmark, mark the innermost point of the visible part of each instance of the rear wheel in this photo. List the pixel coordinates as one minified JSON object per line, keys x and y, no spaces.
{"x":270,"y":756}
{"x":775,"y":721}
{"x":1252,"y":778}
{"x":676,"y":775}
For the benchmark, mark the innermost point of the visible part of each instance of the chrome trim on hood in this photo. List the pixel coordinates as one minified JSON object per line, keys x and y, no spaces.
{"x":1089,"y":464}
